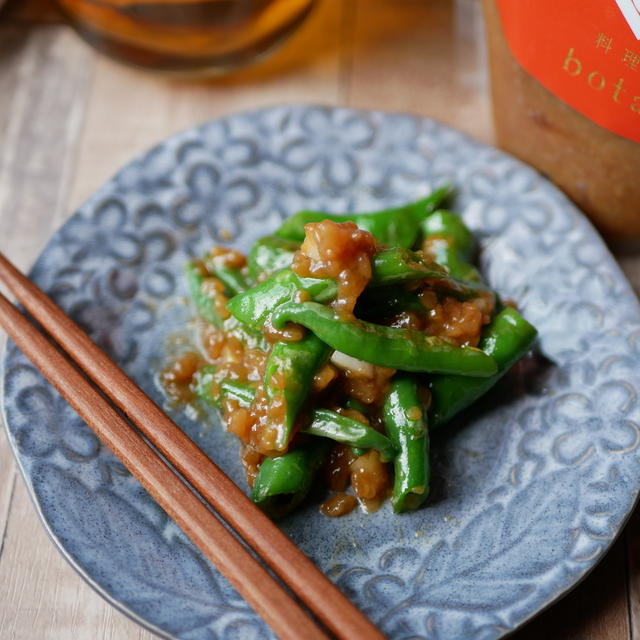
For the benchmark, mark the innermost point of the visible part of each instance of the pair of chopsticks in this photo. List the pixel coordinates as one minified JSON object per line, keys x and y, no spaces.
{"x":251,"y":579}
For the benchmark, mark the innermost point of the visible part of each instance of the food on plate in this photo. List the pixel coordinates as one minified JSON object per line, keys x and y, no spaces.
{"x":339,"y":343}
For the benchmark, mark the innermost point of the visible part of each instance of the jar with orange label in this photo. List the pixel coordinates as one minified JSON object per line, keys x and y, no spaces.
{"x":566,"y":95}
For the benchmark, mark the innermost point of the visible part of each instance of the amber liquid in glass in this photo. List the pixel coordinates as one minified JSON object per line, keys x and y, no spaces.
{"x":185,"y":36}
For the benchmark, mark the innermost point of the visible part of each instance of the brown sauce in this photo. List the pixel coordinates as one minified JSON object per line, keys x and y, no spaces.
{"x":338,"y":505}
{"x":338,"y":250}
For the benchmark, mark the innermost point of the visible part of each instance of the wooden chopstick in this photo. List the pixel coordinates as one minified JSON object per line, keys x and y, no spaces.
{"x":245,"y":573}
{"x":322,"y":597}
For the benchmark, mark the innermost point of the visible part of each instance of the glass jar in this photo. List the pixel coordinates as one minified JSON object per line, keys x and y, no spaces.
{"x":591,"y":149}
{"x":185,"y":36}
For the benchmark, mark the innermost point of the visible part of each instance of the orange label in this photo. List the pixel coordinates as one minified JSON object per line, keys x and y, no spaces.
{"x":586,"y":52}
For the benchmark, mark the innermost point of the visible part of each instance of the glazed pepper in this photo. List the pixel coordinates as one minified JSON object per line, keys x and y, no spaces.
{"x":406,"y":426}
{"x":449,"y":225}
{"x":403,"y":349}
{"x":386,"y":302}
{"x":212,"y":390}
{"x":283,"y":482}
{"x":251,"y":338}
{"x":242,"y":392}
{"x":398,"y":266}
{"x":398,"y":226}
{"x":206,"y":385}
{"x":392,"y":267}
{"x":233,"y":279}
{"x":210,"y":303}
{"x":506,"y":340}
{"x":335,"y":426}
{"x":452,"y":244}
{"x":288,"y":377}
{"x":255,"y":305}
{"x":270,"y":254}
{"x":352,"y":403}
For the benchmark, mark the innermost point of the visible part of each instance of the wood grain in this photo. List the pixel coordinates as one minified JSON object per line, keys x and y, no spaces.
{"x":45,"y":76}
{"x":424,"y":58}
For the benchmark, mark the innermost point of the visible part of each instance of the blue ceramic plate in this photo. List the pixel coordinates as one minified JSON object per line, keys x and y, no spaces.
{"x":530,"y":488}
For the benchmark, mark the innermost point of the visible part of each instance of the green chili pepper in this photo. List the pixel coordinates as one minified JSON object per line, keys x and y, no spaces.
{"x":206,"y":385}
{"x":455,"y":245}
{"x":283,"y":482}
{"x":385,"y":302}
{"x":242,"y":392}
{"x":406,"y":427}
{"x":383,"y":297}
{"x":251,"y":338}
{"x":334,"y":426}
{"x":450,"y":259}
{"x":255,"y":305}
{"x":206,"y":303}
{"x":288,"y":374}
{"x":209,"y":388}
{"x":449,"y":225}
{"x":270,"y":254}
{"x":352,"y":403}
{"x":399,"y":266}
{"x":506,"y":340}
{"x":234,"y":280}
{"x":398,"y":226}
{"x":403,"y":349}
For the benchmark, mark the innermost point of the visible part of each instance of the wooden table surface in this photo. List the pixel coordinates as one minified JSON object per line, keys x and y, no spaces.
{"x":70,"y":117}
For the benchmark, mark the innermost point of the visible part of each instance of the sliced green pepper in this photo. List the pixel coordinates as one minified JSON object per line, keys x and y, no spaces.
{"x":352,"y":403}
{"x":450,"y":259}
{"x":283,"y":482}
{"x":212,"y":390}
{"x":506,"y":340}
{"x":399,"y":266}
{"x":271,"y":254}
{"x":207,"y":304}
{"x":385,"y":302}
{"x":449,"y":225}
{"x":398,"y":226}
{"x":335,"y":426}
{"x":455,"y":246}
{"x":242,"y":392}
{"x":288,"y":374}
{"x":255,"y":305}
{"x":206,"y":384}
{"x":233,"y":279}
{"x":406,"y":427}
{"x":403,"y":349}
